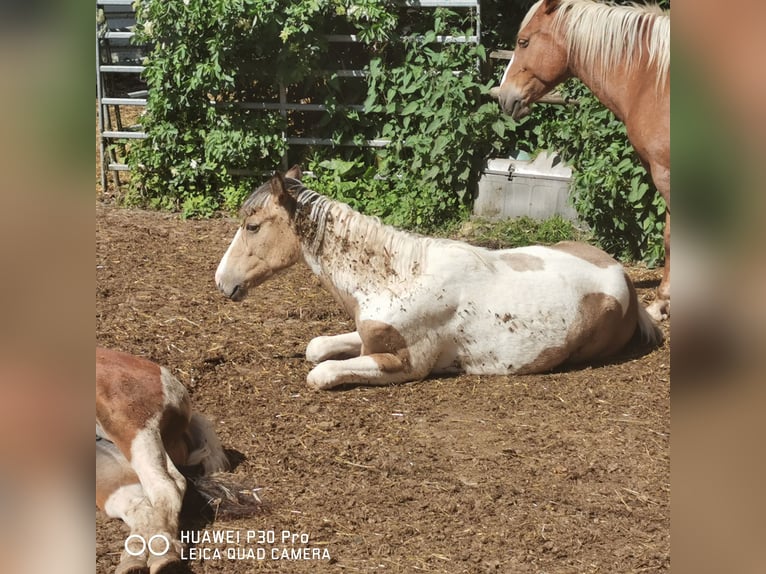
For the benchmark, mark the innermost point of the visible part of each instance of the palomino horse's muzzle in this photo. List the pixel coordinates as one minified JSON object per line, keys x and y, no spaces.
{"x":511,"y":101}
{"x":513,"y":105}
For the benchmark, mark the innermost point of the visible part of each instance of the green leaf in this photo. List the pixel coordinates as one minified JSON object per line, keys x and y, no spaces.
{"x":410,"y":108}
{"x":499,"y":128}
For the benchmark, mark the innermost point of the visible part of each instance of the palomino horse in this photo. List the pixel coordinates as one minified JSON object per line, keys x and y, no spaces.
{"x":424,"y":305}
{"x":145,"y":430}
{"x":622,"y":53}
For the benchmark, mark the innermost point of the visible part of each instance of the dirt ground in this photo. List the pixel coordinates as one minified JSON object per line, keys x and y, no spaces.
{"x":567,"y":472}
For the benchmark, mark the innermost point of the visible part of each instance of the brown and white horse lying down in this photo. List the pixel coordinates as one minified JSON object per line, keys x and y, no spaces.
{"x":424,"y":305}
{"x":145,"y":431}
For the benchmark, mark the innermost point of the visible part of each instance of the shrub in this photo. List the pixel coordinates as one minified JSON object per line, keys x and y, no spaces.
{"x":204,"y":152}
{"x":612,"y":192}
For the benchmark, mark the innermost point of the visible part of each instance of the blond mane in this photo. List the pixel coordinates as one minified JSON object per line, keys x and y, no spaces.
{"x":609,"y":35}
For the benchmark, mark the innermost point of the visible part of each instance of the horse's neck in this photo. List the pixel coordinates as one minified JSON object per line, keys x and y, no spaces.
{"x":639,"y":103}
{"x":356,"y":254}
{"x":613,"y":91}
{"x":621,"y":55}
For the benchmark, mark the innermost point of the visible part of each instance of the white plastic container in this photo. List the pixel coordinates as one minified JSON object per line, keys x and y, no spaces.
{"x":516,"y":187}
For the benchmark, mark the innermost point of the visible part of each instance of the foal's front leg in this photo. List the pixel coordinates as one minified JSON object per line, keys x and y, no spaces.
{"x":334,"y":347}
{"x":160,"y":546}
{"x":164,"y":486}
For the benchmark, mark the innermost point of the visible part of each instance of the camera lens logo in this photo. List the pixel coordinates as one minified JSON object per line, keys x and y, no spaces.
{"x":136,"y":545}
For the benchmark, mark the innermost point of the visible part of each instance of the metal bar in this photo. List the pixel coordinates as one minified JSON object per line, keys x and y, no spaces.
{"x":118,"y":167}
{"x":283,"y":113}
{"x":330,"y":142}
{"x":478,"y":22}
{"x":457,"y":39}
{"x":124,"y":135}
{"x":440,"y":3}
{"x":110,"y":35}
{"x":100,"y":113}
{"x":122,"y":69}
{"x":286,"y":106}
{"x":354,"y":39}
{"x":124,"y":101}
{"x":501,"y":54}
{"x":511,"y":174}
{"x":349,"y":73}
{"x":115,"y":3}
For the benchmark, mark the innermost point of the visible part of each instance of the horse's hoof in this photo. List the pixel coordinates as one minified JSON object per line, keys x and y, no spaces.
{"x":321,"y":377}
{"x":131,"y":565}
{"x":159,"y":564}
{"x":315,"y":353}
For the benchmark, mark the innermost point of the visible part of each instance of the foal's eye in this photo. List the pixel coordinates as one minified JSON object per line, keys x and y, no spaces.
{"x":253,"y":227}
{"x":523,"y":42}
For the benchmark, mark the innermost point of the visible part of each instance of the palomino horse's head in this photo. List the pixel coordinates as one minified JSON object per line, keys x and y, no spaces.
{"x":265,"y":243}
{"x":539,"y":63}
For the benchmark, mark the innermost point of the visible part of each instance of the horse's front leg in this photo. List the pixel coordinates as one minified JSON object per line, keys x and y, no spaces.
{"x":375,"y":369}
{"x":334,"y":347}
{"x":660,"y":307}
{"x":386,"y":359}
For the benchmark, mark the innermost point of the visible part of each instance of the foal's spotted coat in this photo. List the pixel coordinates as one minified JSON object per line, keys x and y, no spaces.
{"x":424,"y":305}
{"x":145,"y":430}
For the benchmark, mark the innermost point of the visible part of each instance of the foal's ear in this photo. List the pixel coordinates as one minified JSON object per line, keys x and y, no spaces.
{"x":279,"y":192}
{"x":295,"y":172}
{"x":550,"y":5}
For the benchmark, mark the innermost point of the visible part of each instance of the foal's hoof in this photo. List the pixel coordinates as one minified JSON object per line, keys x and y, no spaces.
{"x":131,"y":565}
{"x":659,"y":310}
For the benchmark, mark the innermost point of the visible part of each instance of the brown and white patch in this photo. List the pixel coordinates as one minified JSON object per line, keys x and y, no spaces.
{"x":379,"y":338}
{"x":600,"y":329}
{"x":523,"y":261}
{"x":586,"y":252}
{"x":129,"y":393}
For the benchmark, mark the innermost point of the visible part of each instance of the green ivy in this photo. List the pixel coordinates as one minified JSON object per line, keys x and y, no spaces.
{"x":196,"y":141}
{"x":431,"y":110}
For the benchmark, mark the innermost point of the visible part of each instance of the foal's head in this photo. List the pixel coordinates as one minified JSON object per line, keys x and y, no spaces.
{"x":540,"y":61}
{"x":265,"y":243}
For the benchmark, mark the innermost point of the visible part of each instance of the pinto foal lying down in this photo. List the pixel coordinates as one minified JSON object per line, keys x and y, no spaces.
{"x":423,"y":305}
{"x":145,"y":431}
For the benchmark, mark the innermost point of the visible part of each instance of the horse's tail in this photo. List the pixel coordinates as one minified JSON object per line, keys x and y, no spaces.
{"x":226,"y":497}
{"x":219,"y":492}
{"x":206,"y":449}
{"x":650,"y":332}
